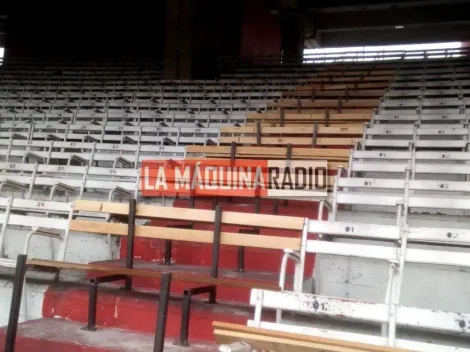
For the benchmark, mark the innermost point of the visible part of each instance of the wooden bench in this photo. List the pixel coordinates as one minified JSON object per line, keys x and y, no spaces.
{"x":129,"y":212}
{"x":339,"y":104}
{"x":341,"y":86}
{"x":344,"y":93}
{"x":335,"y":157}
{"x":361,"y":79}
{"x":279,"y":341}
{"x":297,"y":136}
{"x":323,"y":117}
{"x":344,"y":72}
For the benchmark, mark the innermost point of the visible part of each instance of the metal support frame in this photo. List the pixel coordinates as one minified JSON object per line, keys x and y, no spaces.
{"x":315,"y":135}
{"x":162,"y":314}
{"x":130,"y":242}
{"x":186,"y":309}
{"x":169,"y":243}
{"x":17,"y":294}
{"x":327,"y":117}
{"x":93,"y":297}
{"x":241,"y":249}
{"x":216,"y":242}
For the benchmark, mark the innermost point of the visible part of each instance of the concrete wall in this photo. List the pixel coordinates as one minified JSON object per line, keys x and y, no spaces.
{"x":35,"y":300}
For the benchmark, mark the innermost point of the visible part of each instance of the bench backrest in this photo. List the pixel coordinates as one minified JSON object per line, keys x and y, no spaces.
{"x":192,"y":215}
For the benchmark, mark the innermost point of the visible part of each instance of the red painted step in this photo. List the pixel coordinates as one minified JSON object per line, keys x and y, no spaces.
{"x":224,"y":293}
{"x":59,"y":335}
{"x":138,"y":311}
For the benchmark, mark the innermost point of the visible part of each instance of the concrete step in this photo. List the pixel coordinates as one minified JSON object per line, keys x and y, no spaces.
{"x":138,"y":311}
{"x":60,"y":335}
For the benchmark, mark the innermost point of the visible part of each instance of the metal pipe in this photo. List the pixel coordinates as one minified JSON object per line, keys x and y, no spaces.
{"x":162,"y":314}
{"x":216,"y":242}
{"x":18,"y":283}
{"x":185,"y":315}
{"x":130,"y":241}
{"x":168,"y":245}
{"x":92,"y":303}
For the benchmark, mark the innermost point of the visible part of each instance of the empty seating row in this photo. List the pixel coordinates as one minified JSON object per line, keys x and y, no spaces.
{"x":97,"y":107}
{"x":147,"y":82}
{"x":142,"y":118}
{"x":388,"y":194}
{"x":422,"y":116}
{"x":85,"y":153}
{"x":346,"y":76}
{"x":421,"y":136}
{"x":424,"y":103}
{"x":142,"y":88}
{"x":124,"y":103}
{"x":434,"y":165}
{"x":306,"y":136}
{"x":110,"y":133}
{"x":346,"y":93}
{"x":269,"y":64}
{"x":339,"y":104}
{"x":345,"y":69}
{"x":325,"y":117}
{"x":71,"y":180}
{"x":142,"y":96}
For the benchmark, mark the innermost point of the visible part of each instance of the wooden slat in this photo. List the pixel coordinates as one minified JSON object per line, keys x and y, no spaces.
{"x":276,"y":123}
{"x":331,"y":103}
{"x":200,"y":236}
{"x":384,"y":78}
{"x":296,"y":130}
{"x":339,"y":86}
{"x":335,"y":93}
{"x":149,"y":274}
{"x":287,"y":140}
{"x":199,"y":215}
{"x":290,"y":116}
{"x":343,"y":72}
{"x":226,"y":333}
{"x":264,"y":151}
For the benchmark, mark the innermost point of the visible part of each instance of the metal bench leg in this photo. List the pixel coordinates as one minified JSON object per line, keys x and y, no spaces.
{"x":18,"y":283}
{"x":162,"y":314}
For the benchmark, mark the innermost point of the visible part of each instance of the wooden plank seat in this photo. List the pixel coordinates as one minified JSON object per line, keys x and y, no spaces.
{"x":100,"y":269}
{"x":325,"y":103}
{"x":324,"y":117}
{"x":279,"y":341}
{"x":365,"y":78}
{"x":342,"y":86}
{"x":336,"y":157}
{"x":345,"y":93}
{"x":302,"y":136}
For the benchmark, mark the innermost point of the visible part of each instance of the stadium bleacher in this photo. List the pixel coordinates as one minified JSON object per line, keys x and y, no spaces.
{"x":393,"y":224}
